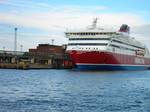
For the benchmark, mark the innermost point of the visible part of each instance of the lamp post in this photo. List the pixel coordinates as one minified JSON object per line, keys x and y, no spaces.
{"x":52,"y":41}
{"x":15,"y":41}
{"x":21,"y":48}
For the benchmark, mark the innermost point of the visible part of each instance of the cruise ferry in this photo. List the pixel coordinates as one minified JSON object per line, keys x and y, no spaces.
{"x":96,"y":48}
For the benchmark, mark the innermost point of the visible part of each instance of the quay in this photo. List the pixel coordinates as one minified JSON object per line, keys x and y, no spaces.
{"x":44,"y":56}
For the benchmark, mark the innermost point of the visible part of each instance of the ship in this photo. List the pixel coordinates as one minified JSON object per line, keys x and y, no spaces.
{"x":96,"y":48}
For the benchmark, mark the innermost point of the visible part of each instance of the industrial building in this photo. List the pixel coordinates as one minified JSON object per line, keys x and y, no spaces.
{"x":44,"y":56}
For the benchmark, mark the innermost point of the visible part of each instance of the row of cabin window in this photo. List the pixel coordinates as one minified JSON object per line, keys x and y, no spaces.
{"x":89,"y":38}
{"x":105,"y":39}
{"x":123,"y":48}
{"x":114,"y":46}
{"x":97,"y":48}
{"x":89,"y":48}
{"x":108,"y":33}
{"x":102,"y":44}
{"x":128,"y":44}
{"x":88,"y":44}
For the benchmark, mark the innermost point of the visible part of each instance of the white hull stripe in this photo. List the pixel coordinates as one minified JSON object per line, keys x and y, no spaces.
{"x":109,"y":64}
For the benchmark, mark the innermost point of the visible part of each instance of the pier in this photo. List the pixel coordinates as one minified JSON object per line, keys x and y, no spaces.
{"x":45,"y":56}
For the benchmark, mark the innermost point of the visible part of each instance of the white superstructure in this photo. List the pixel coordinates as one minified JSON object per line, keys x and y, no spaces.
{"x":98,"y":39}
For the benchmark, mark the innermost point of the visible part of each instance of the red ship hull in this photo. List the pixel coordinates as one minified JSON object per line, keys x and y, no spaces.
{"x":108,"y":61}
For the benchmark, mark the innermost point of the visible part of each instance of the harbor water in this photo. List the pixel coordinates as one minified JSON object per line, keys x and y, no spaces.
{"x":74,"y":91}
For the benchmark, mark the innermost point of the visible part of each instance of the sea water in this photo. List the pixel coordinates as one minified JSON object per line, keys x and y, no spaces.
{"x":74,"y":91}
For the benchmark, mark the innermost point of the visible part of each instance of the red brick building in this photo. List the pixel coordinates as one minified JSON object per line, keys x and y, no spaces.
{"x":51,"y":54}
{"x":45,"y":49}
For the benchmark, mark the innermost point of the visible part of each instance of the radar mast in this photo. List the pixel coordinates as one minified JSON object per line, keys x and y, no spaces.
{"x":94,"y":24}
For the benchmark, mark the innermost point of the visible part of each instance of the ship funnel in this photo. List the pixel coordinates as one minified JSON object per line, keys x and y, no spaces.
{"x":124,"y":28}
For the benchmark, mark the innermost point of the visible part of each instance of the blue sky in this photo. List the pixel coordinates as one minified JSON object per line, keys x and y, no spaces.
{"x":39,"y":21}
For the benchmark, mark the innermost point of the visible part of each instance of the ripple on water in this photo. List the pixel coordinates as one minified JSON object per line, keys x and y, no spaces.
{"x":74,"y":91}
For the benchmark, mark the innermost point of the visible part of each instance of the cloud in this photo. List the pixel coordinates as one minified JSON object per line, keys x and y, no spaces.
{"x":45,"y":6}
{"x":61,"y":20}
{"x":142,"y":30}
{"x":61,"y":16}
{"x":3,"y":1}
{"x":142,"y":33}
{"x":56,"y":19}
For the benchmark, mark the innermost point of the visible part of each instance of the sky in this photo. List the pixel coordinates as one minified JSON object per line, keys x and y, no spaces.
{"x":40,"y":21}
